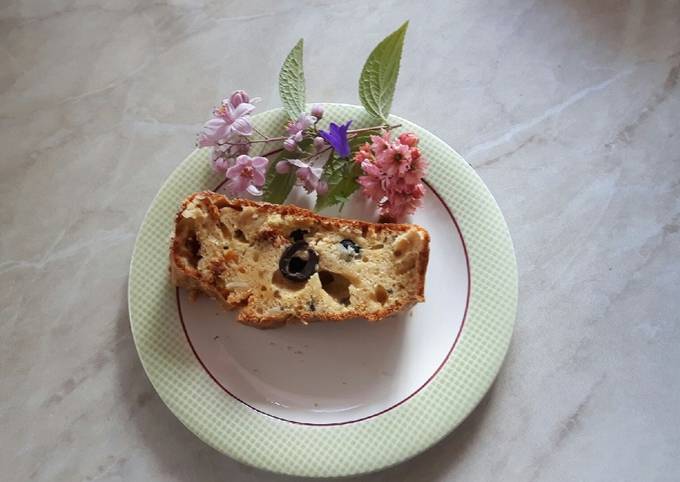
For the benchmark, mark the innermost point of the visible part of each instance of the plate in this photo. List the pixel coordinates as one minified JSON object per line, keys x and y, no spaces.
{"x":333,"y":399}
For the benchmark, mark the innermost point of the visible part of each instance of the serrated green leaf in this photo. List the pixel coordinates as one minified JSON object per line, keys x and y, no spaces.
{"x":277,"y":186}
{"x":292,"y":82}
{"x":379,"y":75}
{"x":341,"y":176}
{"x":356,"y":141}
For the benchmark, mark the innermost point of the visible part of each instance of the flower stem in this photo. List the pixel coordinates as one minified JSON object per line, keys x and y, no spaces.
{"x":271,"y":153}
{"x":366,"y":129}
{"x":283,"y":138}
{"x":352,"y":132}
{"x":258,"y":141}
{"x":264,"y":136}
{"x":317,"y":155}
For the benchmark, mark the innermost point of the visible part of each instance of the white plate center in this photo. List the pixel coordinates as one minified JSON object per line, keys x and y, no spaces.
{"x":331,"y":373}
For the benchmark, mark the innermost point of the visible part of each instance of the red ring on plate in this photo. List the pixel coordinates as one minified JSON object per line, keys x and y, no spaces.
{"x":431,"y":377}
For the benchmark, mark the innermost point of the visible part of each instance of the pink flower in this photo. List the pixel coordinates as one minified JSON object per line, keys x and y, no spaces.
{"x":223,"y":154}
{"x":213,"y":130}
{"x":417,"y":168}
{"x":393,"y":172}
{"x":380,"y":143}
{"x":242,"y":147}
{"x":401,"y":203}
{"x":247,"y":174}
{"x":317,"y":111}
{"x":228,"y":122}
{"x":372,"y":182}
{"x":308,"y":176}
{"x":395,"y":160}
{"x":372,"y":188}
{"x":220,"y":164}
{"x":304,"y":122}
{"x":371,"y":169}
{"x":364,"y":153}
{"x":282,"y":167}
{"x":409,"y":139}
{"x":241,"y":96}
{"x":236,"y":98}
{"x":322,"y":188}
{"x":319,"y":143}
{"x":220,"y":159}
{"x":290,"y":144}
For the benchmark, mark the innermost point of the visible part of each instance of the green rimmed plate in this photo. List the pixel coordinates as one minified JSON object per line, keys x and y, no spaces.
{"x":334,"y":399}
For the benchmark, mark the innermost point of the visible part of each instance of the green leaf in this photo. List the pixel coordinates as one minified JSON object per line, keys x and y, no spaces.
{"x":341,"y":176}
{"x":379,"y":75}
{"x":292,"y":82}
{"x":277,"y":186}
{"x":356,"y":141}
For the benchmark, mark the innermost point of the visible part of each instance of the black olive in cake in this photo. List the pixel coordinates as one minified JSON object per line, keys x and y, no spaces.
{"x":298,"y":262}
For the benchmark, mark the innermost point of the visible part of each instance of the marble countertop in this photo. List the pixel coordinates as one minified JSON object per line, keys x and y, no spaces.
{"x":568,"y":109}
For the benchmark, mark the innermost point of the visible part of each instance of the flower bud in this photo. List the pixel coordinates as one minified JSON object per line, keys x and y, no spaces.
{"x":242,"y":148}
{"x":322,"y":188}
{"x":239,"y":97}
{"x":303,"y":173}
{"x":317,"y":111}
{"x":220,"y":164}
{"x":290,"y":144}
{"x":408,"y":139}
{"x":282,"y":167}
{"x":319,"y":143}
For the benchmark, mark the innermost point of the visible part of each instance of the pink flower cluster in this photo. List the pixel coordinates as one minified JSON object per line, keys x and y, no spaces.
{"x":227,"y":133}
{"x":393,"y":173}
{"x":297,"y":129}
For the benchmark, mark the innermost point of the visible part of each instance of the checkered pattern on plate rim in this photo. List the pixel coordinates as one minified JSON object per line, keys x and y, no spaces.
{"x":270,"y":444}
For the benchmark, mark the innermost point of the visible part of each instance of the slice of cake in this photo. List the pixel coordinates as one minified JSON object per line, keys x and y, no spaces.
{"x":279,"y":263}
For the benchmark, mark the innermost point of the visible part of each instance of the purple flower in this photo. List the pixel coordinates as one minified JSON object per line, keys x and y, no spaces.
{"x":307,"y":175}
{"x":337,"y":137}
{"x":247,"y":174}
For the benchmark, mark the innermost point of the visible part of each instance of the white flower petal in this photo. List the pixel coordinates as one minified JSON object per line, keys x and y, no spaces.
{"x":254,"y":191}
{"x":297,"y":162}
